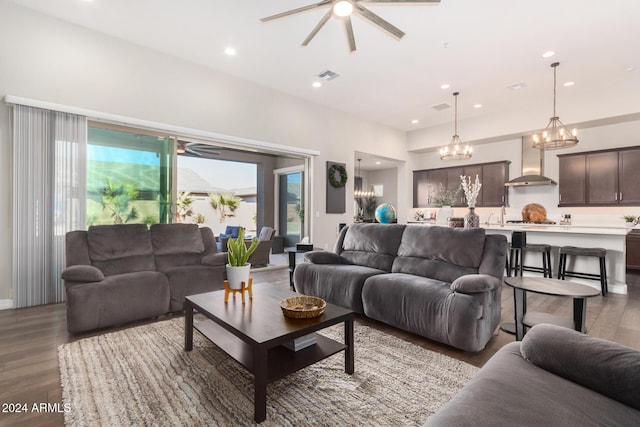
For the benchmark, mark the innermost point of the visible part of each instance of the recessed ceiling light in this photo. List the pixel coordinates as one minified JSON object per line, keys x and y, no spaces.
{"x":632,"y":68}
{"x":445,"y":86}
{"x":548,"y":54}
{"x":415,"y":121}
{"x":378,"y":163}
{"x":567,"y":84}
{"x":316,"y":84}
{"x":230,"y":51}
{"x":477,"y":106}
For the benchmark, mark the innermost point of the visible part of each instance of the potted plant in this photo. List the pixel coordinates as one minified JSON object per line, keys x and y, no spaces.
{"x":238,"y":253}
{"x":631,"y":220}
{"x":445,"y":199}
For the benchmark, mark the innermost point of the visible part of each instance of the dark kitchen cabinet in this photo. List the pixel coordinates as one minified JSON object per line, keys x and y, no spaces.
{"x":426,"y":184}
{"x":633,"y":250}
{"x":629,"y":177}
{"x":573,"y":180}
{"x":493,"y":177}
{"x":600,"y":178}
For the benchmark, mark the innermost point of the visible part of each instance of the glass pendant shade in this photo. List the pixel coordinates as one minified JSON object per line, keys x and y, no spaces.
{"x":456,"y":149}
{"x":555,"y":135}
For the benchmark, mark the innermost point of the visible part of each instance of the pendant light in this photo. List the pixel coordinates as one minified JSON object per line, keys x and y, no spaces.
{"x":455,"y":149}
{"x":359,"y":192}
{"x":555,"y":135}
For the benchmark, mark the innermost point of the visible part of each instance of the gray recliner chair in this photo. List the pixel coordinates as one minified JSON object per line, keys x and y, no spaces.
{"x":261,"y":255}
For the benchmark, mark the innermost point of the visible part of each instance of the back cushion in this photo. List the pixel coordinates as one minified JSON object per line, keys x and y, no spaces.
{"x":463,"y":247}
{"x":120,"y":248}
{"x":169,"y":239}
{"x":372,"y":245}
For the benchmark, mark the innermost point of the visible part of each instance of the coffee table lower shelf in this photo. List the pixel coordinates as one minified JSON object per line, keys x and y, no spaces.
{"x":532,"y":318}
{"x":281,"y":361}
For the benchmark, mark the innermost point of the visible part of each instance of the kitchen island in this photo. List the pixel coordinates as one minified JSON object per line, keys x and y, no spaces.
{"x":613,"y":239}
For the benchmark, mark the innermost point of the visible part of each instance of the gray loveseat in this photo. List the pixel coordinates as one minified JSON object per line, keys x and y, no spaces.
{"x":554,"y":377}
{"x":120,"y":273}
{"x":438,"y":282}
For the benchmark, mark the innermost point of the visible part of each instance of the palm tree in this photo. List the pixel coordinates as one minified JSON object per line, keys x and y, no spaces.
{"x":183,"y":206}
{"x":226,"y":204}
{"x":116,"y":199}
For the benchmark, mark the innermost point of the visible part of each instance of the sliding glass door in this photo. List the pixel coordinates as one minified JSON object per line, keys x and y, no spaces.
{"x":129,"y":177}
{"x":291,"y":207}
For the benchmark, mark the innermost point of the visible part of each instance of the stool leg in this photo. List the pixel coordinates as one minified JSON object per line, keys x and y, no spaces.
{"x":548,"y":255}
{"x":562,"y":266}
{"x":544,"y":265}
{"x":603,"y":275}
{"x":511,"y":258}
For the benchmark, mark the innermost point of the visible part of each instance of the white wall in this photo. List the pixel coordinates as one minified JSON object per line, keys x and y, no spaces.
{"x":49,"y":60}
{"x":591,"y":139}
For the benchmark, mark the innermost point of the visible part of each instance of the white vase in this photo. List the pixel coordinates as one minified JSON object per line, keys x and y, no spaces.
{"x":237,"y":275}
{"x":443,"y":215}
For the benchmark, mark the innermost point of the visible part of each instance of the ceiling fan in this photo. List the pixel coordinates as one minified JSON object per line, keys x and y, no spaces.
{"x":343,"y":9}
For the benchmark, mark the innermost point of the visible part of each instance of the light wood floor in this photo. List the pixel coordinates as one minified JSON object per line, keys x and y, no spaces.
{"x":29,"y":339}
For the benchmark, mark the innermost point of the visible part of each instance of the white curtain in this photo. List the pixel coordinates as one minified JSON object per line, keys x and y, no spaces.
{"x":49,"y":199}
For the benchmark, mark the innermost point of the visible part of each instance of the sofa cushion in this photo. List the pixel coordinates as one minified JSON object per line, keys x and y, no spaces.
{"x":372,"y":245}
{"x":168,"y":239}
{"x":462,"y":247}
{"x":510,"y":391}
{"x":107,"y":242}
{"x":82,"y":273}
{"x":339,"y":284}
{"x":431,"y":268}
{"x":603,"y":366}
{"x":191,"y":280}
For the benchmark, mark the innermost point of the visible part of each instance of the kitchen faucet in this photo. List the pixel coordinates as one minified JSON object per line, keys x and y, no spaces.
{"x":489,"y":219}
{"x":503,"y":212}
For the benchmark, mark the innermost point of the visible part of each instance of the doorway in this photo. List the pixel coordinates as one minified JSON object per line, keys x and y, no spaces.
{"x":290,"y":212}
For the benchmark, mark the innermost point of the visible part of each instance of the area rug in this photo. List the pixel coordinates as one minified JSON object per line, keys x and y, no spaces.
{"x":142,"y":376}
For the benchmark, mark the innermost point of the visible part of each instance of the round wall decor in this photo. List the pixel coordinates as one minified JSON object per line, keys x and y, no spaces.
{"x":333,"y":180}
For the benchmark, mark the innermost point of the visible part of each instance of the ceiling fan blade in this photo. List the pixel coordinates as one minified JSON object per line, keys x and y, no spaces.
{"x":350,"y":37}
{"x":317,"y":28}
{"x":375,"y":19}
{"x":399,"y":1}
{"x":298,"y":10}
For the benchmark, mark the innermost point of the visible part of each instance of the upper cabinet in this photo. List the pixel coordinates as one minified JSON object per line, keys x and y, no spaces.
{"x":600,"y":178}
{"x":426,"y":184}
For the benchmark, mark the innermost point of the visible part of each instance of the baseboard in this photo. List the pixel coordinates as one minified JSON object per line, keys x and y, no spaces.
{"x":6,"y":304}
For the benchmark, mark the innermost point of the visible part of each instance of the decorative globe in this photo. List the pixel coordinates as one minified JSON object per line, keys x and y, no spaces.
{"x":386,"y":213}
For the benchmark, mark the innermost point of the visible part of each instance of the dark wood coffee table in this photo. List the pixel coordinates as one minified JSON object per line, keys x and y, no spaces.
{"x":539,"y":285}
{"x":253,"y":335}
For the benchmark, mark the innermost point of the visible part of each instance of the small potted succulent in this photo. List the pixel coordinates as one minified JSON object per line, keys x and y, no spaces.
{"x":238,"y":253}
{"x":630,"y":220}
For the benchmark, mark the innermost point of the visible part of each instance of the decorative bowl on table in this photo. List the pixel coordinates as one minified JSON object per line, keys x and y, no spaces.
{"x":303,"y":307}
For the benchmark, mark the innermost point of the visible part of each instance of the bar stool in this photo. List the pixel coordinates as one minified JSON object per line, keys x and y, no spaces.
{"x":519,"y":247}
{"x":589,"y":252}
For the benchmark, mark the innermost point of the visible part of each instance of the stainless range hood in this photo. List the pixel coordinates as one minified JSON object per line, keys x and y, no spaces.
{"x":532,"y":166}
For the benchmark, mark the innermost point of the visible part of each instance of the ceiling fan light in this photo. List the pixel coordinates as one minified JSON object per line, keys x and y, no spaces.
{"x":343,"y":8}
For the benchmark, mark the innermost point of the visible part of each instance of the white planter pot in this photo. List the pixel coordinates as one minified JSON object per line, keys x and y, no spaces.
{"x":237,"y":275}
{"x":443,"y":215}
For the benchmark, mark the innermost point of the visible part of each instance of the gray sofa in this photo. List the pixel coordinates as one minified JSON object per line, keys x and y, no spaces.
{"x":120,"y":273}
{"x":554,"y":377}
{"x":441,"y":283}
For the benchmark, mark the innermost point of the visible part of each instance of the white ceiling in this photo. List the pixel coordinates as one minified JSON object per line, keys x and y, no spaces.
{"x":479,"y":47}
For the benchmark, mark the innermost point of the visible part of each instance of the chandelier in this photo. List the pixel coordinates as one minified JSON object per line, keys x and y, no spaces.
{"x":359,"y":192}
{"x":455,"y":149}
{"x":555,"y":135}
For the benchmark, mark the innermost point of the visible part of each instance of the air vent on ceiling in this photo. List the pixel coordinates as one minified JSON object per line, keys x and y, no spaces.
{"x":328,"y":75}
{"x":516,"y":86}
{"x":440,"y":107}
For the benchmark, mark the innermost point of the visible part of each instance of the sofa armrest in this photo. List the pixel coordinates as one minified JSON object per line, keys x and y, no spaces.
{"x":82,"y":274}
{"x":216,"y":259}
{"x":475,"y":283}
{"x":603,"y":366}
{"x":322,"y":257}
